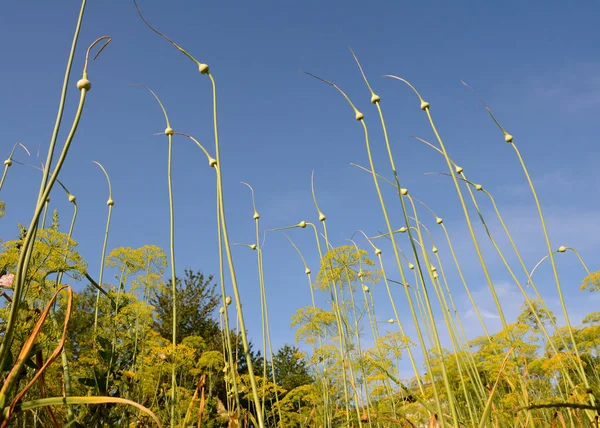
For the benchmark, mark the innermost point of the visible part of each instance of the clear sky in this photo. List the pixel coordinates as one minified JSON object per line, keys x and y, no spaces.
{"x":536,"y":64}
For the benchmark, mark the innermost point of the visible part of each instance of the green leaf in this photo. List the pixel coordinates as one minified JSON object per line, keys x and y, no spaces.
{"x":59,"y":401}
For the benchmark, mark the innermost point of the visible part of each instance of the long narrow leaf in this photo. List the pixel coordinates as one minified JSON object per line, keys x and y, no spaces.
{"x":57,"y":401}
{"x":25,"y":350}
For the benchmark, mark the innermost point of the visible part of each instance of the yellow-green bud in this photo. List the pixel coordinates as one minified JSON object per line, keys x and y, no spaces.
{"x":71,"y":198}
{"x":360,"y":273}
{"x":458,"y":169}
{"x":434,"y":249}
{"x":390,"y":321}
{"x":359,"y":115}
{"x":110,"y":202}
{"x":169,"y":131}
{"x":203,"y":68}
{"x":562,"y":249}
{"x":424,"y":105}
{"x":411,"y":266}
{"x":8,"y":162}
{"x":403,"y":191}
{"x":84,"y":84}
{"x":507,"y":137}
{"x":253,"y":247}
{"x":402,"y":229}
{"x":256,"y":216}
{"x":302,"y":224}
{"x":322,"y":217}
{"x":221,"y":310}
{"x":212,"y":162}
{"x":366,"y":288}
{"x":478,"y":187}
{"x":439,"y":220}
{"x":307,"y":271}
{"x":228,"y":300}
{"x":375,"y":98}
{"x":377,"y":252}
{"x":433,"y":269}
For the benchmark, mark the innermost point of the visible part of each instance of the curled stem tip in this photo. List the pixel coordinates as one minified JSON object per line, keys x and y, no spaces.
{"x":139,"y":12}
{"x":203,"y":67}
{"x":41,"y":169}
{"x":157,"y":100}
{"x":297,"y":249}
{"x":366,"y":237}
{"x":25,"y":148}
{"x":15,"y":146}
{"x":391,"y":76}
{"x":364,"y":77}
{"x":107,"y":39}
{"x":209,"y":157}
{"x":359,"y":115}
{"x":312,"y":187}
{"x":507,"y":136}
{"x":107,"y":178}
{"x":253,"y":201}
{"x":433,"y":146}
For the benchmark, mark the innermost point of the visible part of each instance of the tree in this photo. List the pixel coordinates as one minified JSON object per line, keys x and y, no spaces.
{"x":528,"y":317}
{"x":290,"y":368}
{"x":197,"y":301}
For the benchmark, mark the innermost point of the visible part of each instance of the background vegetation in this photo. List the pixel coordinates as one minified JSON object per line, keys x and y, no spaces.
{"x":151,"y":347}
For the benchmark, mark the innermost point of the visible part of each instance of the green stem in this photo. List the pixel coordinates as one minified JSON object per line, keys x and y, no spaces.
{"x":236,"y":293}
{"x":27,"y":249}
{"x":63,"y":352}
{"x":555,"y":272}
{"x":173,"y":279}
{"x":110,"y":204}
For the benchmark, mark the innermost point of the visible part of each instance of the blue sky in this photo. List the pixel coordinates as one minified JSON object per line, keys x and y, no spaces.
{"x":536,"y":64}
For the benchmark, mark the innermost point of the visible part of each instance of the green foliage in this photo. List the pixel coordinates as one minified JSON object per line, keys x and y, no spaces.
{"x":291,"y":370}
{"x":313,"y":323}
{"x":516,"y":376}
{"x":342,"y":265}
{"x":53,"y":252}
{"x":592,"y":282}
{"x":528,"y":318}
{"x":197,"y":302}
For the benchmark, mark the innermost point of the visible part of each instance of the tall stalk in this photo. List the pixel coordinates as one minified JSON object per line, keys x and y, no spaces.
{"x":226,"y":300}
{"x":9,"y":161}
{"x":508,"y":138}
{"x":332,"y":286}
{"x":360,"y":117}
{"x":84,"y":86}
{"x":204,"y":70}
{"x":63,"y":352}
{"x":232,"y":274}
{"x":110,"y":203}
{"x":323,"y":373}
{"x":169,"y":133}
{"x":440,"y":221}
{"x":370,"y":308}
{"x":424,"y":105}
{"x":265,"y":308}
{"x":461,"y":176}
